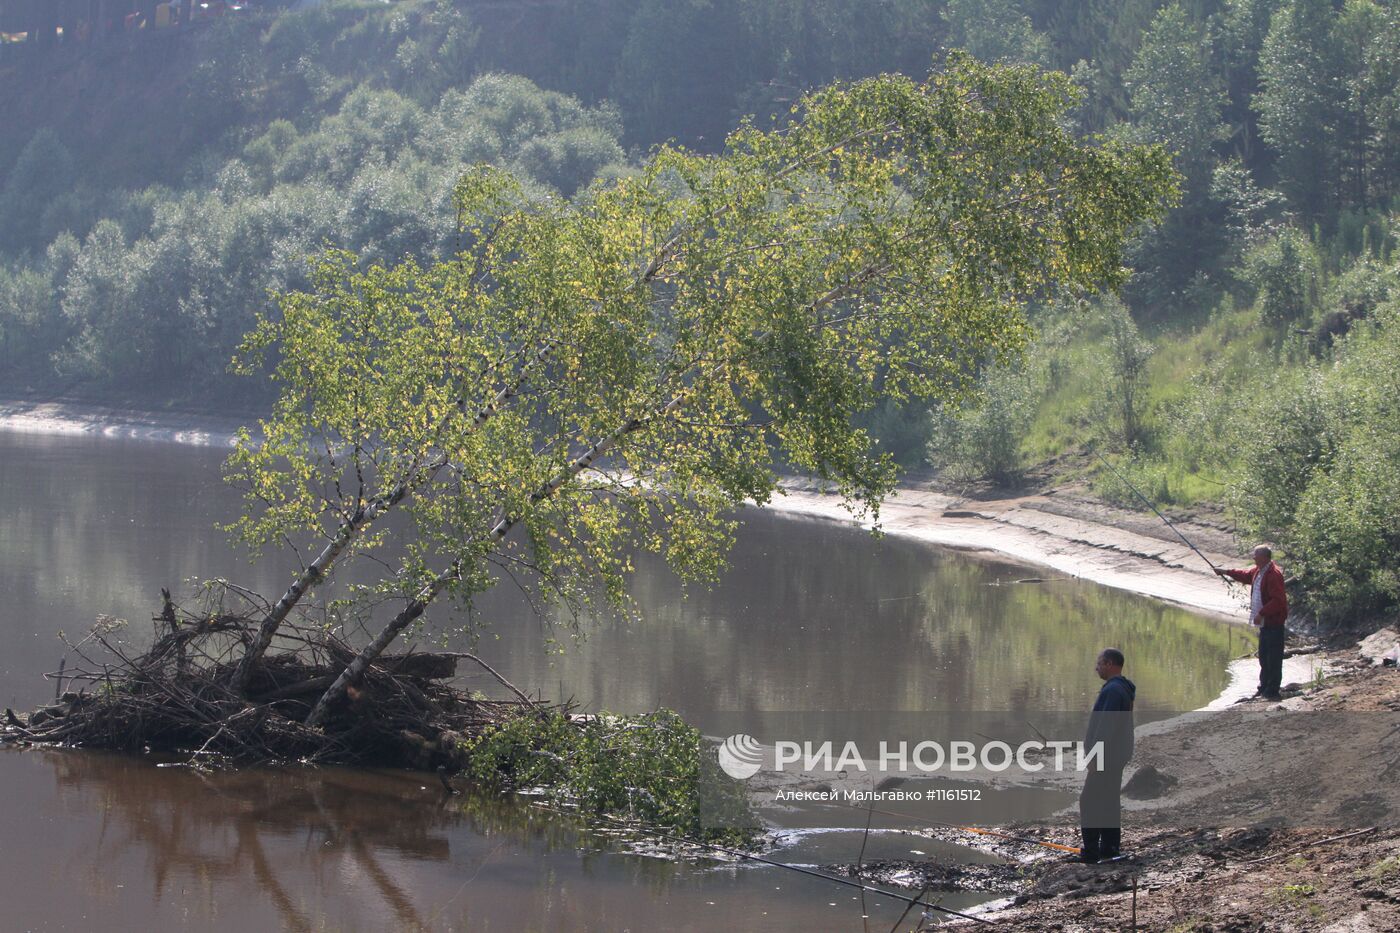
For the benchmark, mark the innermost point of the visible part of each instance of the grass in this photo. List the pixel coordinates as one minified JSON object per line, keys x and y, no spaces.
{"x":1300,"y":895}
{"x":1069,"y":361}
{"x":1387,"y":869}
{"x":1226,"y":353}
{"x":1192,"y":925}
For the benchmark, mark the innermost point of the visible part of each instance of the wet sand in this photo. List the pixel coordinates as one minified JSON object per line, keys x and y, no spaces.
{"x":1026,"y":529}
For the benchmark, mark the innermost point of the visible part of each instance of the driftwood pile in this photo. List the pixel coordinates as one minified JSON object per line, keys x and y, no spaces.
{"x":174,"y":697}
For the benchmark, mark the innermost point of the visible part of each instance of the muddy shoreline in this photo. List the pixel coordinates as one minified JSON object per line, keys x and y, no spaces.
{"x":1239,"y":873}
{"x":1255,"y":845}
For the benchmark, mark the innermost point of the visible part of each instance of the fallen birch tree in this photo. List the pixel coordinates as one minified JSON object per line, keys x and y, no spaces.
{"x":588,"y":379}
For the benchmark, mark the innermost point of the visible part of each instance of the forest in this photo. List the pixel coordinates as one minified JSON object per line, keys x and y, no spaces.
{"x":157,"y":189}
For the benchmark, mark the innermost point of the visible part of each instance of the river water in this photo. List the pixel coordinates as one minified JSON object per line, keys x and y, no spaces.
{"x":810,"y":616}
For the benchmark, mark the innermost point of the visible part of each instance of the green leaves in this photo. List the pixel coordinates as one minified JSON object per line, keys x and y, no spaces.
{"x":1319,"y":472}
{"x":621,"y":372}
{"x":652,"y":767}
{"x":1177,"y":94}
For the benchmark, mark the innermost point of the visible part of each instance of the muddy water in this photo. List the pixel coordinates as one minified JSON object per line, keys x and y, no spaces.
{"x":811,"y":616}
{"x":94,"y":842}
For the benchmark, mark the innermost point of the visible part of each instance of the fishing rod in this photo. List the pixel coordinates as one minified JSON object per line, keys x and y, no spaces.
{"x":1154,"y":508}
{"x":740,"y":853}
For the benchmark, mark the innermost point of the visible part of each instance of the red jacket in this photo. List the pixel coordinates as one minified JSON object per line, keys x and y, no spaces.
{"x":1274,"y":596}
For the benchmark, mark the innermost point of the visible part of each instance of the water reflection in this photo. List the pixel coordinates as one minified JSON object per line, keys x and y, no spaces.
{"x":816,"y":616}
{"x":811,"y":616}
{"x":89,"y":526}
{"x":95,"y":839}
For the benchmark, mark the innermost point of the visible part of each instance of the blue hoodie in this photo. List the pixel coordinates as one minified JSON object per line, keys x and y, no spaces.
{"x":1116,"y":695}
{"x":1111,"y":722}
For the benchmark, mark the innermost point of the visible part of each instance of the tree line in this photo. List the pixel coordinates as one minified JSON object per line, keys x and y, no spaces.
{"x":1281,"y":114}
{"x":155,"y":295}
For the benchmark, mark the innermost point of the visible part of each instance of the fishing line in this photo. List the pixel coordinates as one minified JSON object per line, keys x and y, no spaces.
{"x":1154,"y":508}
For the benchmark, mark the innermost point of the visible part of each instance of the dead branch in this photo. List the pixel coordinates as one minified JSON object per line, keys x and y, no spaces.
{"x":176,"y":697}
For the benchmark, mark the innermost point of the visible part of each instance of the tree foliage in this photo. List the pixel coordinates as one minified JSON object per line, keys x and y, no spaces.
{"x":158,"y":296}
{"x":1177,"y":94}
{"x":996,"y":31}
{"x":680,"y":330}
{"x":349,"y":122}
{"x":1320,"y":471}
{"x":1298,"y":101}
{"x":41,"y":174}
{"x":1177,"y":98}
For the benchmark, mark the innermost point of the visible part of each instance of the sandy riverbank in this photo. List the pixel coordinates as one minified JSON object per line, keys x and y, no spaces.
{"x":1072,"y":536}
{"x":1080,"y":538}
{"x":1265,"y":817}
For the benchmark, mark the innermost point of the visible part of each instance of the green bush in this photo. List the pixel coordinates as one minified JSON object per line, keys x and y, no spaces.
{"x":1362,"y":288}
{"x":653,"y":768}
{"x":1286,"y":432}
{"x":1321,"y":473}
{"x":1121,"y":400}
{"x":1285,"y":275}
{"x":1200,"y":430}
{"x":983,"y":440}
{"x":1365,"y":234}
{"x":1347,"y":529}
{"x":1251,"y":213}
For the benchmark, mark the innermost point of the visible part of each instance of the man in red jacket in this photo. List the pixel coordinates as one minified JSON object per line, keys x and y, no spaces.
{"x":1268,"y":609}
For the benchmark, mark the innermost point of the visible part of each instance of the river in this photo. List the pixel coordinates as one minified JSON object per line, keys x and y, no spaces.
{"x":810,"y":616}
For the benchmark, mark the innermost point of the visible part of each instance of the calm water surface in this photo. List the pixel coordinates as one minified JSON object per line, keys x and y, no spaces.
{"x":811,"y":616}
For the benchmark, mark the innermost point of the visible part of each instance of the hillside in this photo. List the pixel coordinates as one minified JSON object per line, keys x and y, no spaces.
{"x":156,"y":186}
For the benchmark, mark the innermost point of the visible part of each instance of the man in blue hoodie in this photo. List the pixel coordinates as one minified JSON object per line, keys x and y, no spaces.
{"x":1111,"y":722}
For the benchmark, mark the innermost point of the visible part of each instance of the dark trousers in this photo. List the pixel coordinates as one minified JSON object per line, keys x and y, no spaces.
{"x":1270,"y":659}
{"x":1101,"y":813}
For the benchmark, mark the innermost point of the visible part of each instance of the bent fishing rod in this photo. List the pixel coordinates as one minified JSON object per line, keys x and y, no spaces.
{"x":1154,"y":508}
